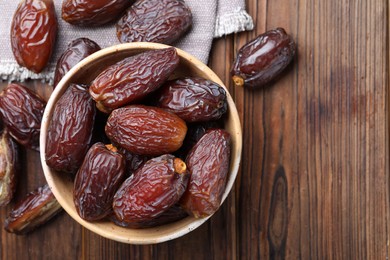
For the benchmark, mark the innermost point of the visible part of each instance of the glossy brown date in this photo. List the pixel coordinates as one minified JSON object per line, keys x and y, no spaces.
{"x":99,"y":177}
{"x":37,"y":208}
{"x":9,"y":167}
{"x":21,"y":111}
{"x":133,"y":78}
{"x":76,"y":51}
{"x":208,"y":164}
{"x":93,"y":12}
{"x":70,"y":130}
{"x":193,"y":99}
{"x":145,"y":130}
{"x":263,"y":59}
{"x":162,"y":21}
{"x":173,"y":214}
{"x":33,"y":33}
{"x":151,"y":190}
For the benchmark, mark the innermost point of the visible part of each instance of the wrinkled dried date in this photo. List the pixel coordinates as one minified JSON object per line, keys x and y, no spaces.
{"x":33,"y":33}
{"x":151,"y":190}
{"x":93,"y":12}
{"x":69,"y":132}
{"x":21,"y":111}
{"x":9,"y":167}
{"x":174,"y":213}
{"x":162,"y":21}
{"x":99,"y":177}
{"x":146,"y":130}
{"x":76,"y":51}
{"x":34,"y":210}
{"x":193,"y":99}
{"x":133,"y":78}
{"x":261,"y":60}
{"x":208,"y":164}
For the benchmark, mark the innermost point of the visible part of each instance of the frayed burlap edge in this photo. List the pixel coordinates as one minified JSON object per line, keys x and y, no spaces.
{"x":236,"y":21}
{"x":13,"y":72}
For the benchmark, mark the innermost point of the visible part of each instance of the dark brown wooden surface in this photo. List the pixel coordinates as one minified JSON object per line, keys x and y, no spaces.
{"x":314,"y":177}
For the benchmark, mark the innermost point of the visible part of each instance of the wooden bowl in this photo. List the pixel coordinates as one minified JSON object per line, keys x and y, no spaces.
{"x":62,"y":186}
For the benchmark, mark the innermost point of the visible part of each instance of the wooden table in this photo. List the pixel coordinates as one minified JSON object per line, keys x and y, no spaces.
{"x":314,"y":178}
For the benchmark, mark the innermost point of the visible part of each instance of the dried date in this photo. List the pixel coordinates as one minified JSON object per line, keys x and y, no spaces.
{"x":21,"y":111}
{"x":69,"y":132}
{"x":193,"y":99}
{"x":145,"y":130}
{"x":33,"y":33}
{"x":162,"y":21}
{"x":93,"y":12}
{"x":37,"y":208}
{"x":76,"y":51}
{"x":151,"y":190}
{"x":263,"y":59}
{"x":208,"y":164}
{"x":9,"y":167}
{"x":97,"y":180}
{"x":173,"y":214}
{"x":133,"y":78}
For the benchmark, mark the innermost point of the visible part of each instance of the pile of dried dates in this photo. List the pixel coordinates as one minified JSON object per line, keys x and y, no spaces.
{"x":143,"y":148}
{"x":33,"y":35}
{"x":21,"y":112}
{"x":34,"y":25}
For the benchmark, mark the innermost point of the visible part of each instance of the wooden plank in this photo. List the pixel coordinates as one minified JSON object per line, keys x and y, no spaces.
{"x":315,"y":164}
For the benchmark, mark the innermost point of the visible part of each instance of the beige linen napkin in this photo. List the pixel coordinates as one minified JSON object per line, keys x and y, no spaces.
{"x":212,"y":18}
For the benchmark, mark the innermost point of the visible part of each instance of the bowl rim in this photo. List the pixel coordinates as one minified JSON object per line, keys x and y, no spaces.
{"x":95,"y":226}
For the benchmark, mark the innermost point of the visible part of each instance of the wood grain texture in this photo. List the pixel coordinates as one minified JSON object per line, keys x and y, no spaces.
{"x":314,"y":178}
{"x":316,"y":175}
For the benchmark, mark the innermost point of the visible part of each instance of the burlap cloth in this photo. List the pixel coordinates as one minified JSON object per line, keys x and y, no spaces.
{"x":212,"y":18}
